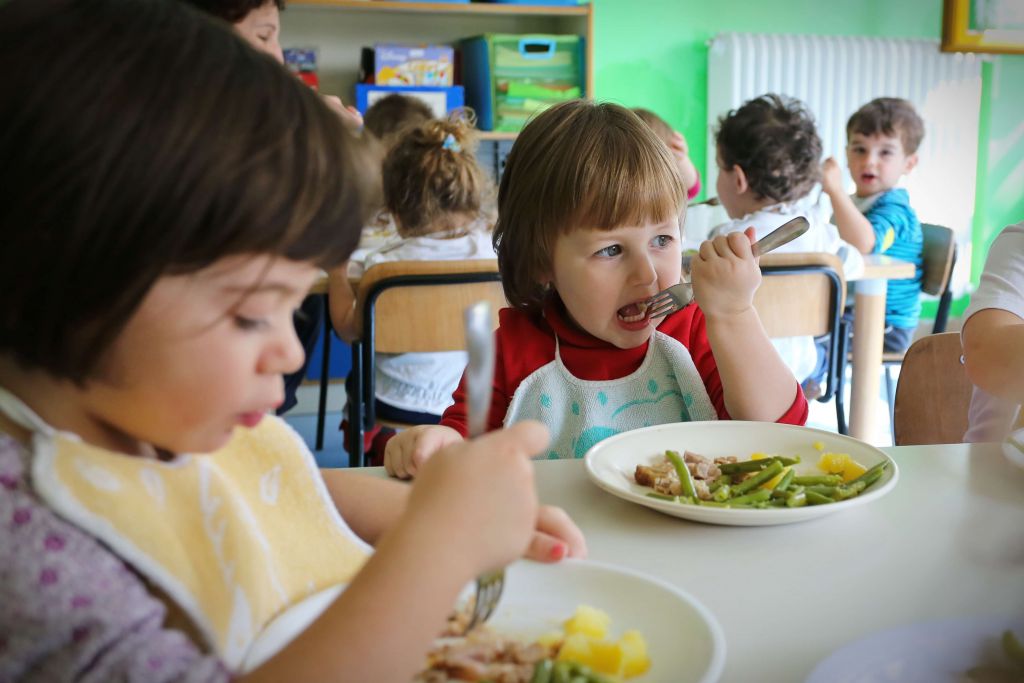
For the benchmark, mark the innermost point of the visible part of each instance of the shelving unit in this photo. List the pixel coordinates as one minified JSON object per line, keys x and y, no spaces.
{"x":339,"y":28}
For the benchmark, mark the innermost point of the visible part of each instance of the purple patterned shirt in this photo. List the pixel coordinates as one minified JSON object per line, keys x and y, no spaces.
{"x":70,"y":609}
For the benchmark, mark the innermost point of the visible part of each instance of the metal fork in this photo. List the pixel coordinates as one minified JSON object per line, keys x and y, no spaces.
{"x":678,"y":296}
{"x":479,"y":384}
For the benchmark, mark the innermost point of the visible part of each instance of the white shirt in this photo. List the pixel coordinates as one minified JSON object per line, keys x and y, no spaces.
{"x":799,"y":353}
{"x":424,"y":382}
{"x":1002,"y":286}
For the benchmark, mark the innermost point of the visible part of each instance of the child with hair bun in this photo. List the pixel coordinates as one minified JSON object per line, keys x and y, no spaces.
{"x":435,"y":191}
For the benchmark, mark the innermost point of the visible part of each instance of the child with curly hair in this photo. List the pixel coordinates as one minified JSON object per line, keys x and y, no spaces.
{"x":768,"y":168}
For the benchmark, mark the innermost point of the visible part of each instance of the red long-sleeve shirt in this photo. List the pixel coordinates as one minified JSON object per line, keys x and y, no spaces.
{"x":526,"y":343}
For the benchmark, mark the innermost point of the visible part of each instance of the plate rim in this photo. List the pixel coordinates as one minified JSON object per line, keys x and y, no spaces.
{"x":719,"y":515}
{"x":907,"y":627}
{"x":716,"y":665}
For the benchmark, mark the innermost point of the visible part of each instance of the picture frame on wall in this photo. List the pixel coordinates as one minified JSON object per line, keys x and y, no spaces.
{"x":983,"y":26}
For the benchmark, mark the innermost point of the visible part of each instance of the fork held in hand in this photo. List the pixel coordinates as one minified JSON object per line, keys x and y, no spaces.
{"x":479,"y":383}
{"x":678,"y":296}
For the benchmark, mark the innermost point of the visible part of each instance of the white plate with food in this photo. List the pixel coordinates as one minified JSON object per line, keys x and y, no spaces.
{"x":961,"y":650}
{"x":612,"y":465}
{"x":684,"y":642}
{"x":1013,"y":448}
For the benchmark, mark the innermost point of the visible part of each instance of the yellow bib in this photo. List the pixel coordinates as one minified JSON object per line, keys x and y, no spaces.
{"x":237,"y":538}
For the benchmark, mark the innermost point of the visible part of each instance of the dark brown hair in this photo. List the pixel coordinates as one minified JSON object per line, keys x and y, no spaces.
{"x":393,"y":113}
{"x":890,"y":116}
{"x":232,"y":11}
{"x":432,"y":182}
{"x":658,"y":125}
{"x":145,"y":170}
{"x":773,"y":139}
{"x":579,"y":164}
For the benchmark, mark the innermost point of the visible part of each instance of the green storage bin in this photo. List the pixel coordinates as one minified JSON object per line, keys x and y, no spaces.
{"x":510,"y":77}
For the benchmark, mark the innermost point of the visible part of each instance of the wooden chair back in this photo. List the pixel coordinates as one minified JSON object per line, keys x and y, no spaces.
{"x":416,"y":306}
{"x":410,"y":307}
{"x":801,"y":294}
{"x":933,"y":394}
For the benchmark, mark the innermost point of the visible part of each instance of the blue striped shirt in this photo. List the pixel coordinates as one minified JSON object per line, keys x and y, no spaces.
{"x":898,"y":234}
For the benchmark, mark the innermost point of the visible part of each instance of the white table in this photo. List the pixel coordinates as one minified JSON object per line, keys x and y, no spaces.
{"x":948,"y":541}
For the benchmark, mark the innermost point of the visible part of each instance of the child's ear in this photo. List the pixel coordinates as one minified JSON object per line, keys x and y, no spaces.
{"x":740,"y":178}
{"x":910,"y":164}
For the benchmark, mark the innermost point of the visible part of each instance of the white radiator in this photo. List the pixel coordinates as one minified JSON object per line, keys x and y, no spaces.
{"x":835,"y":75}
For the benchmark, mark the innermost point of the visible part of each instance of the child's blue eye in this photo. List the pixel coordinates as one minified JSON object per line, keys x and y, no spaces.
{"x":662,"y":241}
{"x":612,"y":250}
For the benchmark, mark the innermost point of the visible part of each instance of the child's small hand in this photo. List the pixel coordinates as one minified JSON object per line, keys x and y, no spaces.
{"x":556,"y":537}
{"x":725,"y":274}
{"x":410,"y":448}
{"x":349,"y":114}
{"x":678,"y":145}
{"x":481,"y":495}
{"x":831,"y":177}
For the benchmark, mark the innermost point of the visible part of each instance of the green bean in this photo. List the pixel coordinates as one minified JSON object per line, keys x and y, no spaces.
{"x":662,"y":496}
{"x":850,"y":490}
{"x":721,"y":481}
{"x":786,"y":480}
{"x":758,"y":496}
{"x":712,"y":504}
{"x":819,"y":480}
{"x":542,"y":671}
{"x":797,"y":500}
{"x":685,"y":480}
{"x":561,"y":672}
{"x":744,"y":466}
{"x":872,"y":475}
{"x":830,"y":491}
{"x":758,"y":479}
{"x":777,"y":503}
{"x":722,"y":494}
{"x":817,"y":499}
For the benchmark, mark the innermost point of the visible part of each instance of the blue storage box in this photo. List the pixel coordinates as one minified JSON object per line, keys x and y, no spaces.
{"x":509,"y":77}
{"x":440,"y":100}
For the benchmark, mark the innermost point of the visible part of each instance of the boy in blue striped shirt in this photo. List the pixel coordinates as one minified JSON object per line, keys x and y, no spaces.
{"x":882,"y":141}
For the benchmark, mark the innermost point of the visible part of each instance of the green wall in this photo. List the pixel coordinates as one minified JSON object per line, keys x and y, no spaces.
{"x":653,"y":53}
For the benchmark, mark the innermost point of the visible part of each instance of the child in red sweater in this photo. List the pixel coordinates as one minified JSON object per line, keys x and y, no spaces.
{"x":589,"y":227}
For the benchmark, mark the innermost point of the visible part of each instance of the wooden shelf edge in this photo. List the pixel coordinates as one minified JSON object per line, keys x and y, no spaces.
{"x":477,"y":8}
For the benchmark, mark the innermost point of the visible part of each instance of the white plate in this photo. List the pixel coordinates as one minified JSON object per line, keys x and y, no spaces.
{"x":685,"y":642}
{"x":927,"y":652}
{"x":1013,"y":448}
{"x":612,"y":462}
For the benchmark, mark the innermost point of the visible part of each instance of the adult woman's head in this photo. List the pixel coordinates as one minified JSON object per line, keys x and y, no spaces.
{"x":258,"y":21}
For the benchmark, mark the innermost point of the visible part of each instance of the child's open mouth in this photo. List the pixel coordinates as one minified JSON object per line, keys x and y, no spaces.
{"x":868,"y":177}
{"x":633,"y":313}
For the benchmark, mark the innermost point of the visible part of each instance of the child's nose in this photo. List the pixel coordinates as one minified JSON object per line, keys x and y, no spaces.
{"x":286,"y":356}
{"x":642,"y":270}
